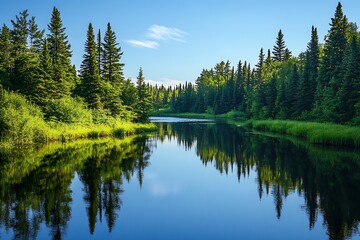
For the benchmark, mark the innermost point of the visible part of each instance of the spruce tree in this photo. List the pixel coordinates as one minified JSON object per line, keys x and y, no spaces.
{"x":60,"y":53}
{"x":99,"y":51}
{"x":143,"y":105}
{"x":349,"y":94}
{"x":5,"y":56}
{"x":90,"y":87}
{"x":19,"y":33}
{"x":35,"y":36}
{"x":331,"y":67}
{"x":279,"y":48}
{"x":111,"y":55}
{"x":45,"y":87}
{"x":112,"y":73}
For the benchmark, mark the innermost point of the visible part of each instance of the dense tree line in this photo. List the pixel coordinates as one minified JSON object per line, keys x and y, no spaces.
{"x":322,"y":83}
{"x":38,"y":66}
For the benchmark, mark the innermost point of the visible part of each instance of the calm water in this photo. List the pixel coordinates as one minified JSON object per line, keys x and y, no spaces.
{"x":191,"y":180}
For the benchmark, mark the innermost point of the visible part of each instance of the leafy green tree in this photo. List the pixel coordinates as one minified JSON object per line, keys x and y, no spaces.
{"x":90,"y":86}
{"x":143,"y":105}
{"x":60,"y":53}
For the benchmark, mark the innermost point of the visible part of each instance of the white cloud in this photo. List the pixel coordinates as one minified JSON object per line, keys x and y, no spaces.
{"x":166,"y":33}
{"x":145,"y":44}
{"x":162,"y":190}
{"x":164,"y":81}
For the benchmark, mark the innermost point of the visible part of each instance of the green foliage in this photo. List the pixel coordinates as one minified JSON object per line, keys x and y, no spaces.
{"x":321,"y":84}
{"x":68,"y":110}
{"x":60,"y":53}
{"x":143,"y":104}
{"x":20,"y":121}
{"x":317,"y":133}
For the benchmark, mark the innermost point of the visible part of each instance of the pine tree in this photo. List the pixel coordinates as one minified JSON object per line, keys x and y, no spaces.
{"x":279,"y":48}
{"x":313,"y":60}
{"x":143,"y":105}
{"x":45,"y":86}
{"x":90,"y":87}
{"x":111,"y":55}
{"x":60,"y":53}
{"x":259,"y":68}
{"x":5,"y":56}
{"x":349,"y":93}
{"x":99,"y":51}
{"x":293,"y":93}
{"x":331,"y":67}
{"x":19,"y":33}
{"x":35,"y":36}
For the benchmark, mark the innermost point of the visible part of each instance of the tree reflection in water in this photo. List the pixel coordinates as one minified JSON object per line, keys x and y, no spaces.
{"x":35,"y":183}
{"x":327,"y":178}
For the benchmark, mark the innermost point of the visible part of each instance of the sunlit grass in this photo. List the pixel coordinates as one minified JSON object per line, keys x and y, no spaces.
{"x":317,"y":133}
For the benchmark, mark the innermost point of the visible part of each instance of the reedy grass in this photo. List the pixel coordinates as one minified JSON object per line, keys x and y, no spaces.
{"x":316,"y":133}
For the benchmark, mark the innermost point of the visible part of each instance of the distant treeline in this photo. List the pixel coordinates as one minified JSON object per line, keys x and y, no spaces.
{"x":321,"y":84}
{"x":37,"y":65}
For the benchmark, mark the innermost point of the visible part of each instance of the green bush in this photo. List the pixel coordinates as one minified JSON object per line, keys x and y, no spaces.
{"x":68,"y":110}
{"x":20,"y":121}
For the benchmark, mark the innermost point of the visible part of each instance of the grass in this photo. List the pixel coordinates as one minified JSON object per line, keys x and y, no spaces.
{"x":64,"y":132}
{"x":169,"y":113}
{"x":316,"y":133}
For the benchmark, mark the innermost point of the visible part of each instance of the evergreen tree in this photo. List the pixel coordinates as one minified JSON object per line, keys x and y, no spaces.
{"x":5,"y":56}
{"x":111,"y":55}
{"x":90,"y":87}
{"x":19,"y":33}
{"x":99,"y":51}
{"x":143,"y":105}
{"x":60,"y":54}
{"x":349,"y":93}
{"x":331,"y":67}
{"x":279,"y":49}
{"x":45,"y":87}
{"x":35,"y":36}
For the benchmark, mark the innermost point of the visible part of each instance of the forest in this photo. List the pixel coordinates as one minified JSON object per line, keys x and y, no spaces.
{"x":41,"y":90}
{"x":320,"y":84}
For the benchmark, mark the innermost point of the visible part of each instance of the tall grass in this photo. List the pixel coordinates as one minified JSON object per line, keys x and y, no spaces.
{"x":317,"y":133}
{"x":22,"y":123}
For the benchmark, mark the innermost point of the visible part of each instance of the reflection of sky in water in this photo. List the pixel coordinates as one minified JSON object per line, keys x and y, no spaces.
{"x":175,"y":119}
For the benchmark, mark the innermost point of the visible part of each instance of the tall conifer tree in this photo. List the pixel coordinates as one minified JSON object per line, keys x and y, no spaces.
{"x":60,"y":53}
{"x":90,"y":87}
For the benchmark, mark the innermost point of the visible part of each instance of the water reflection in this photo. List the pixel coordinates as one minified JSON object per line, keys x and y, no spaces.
{"x":35,"y":183}
{"x":36,"y":191}
{"x":328,"y":179}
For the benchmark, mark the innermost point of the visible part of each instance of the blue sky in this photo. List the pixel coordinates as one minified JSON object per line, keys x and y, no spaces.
{"x":174,"y":40}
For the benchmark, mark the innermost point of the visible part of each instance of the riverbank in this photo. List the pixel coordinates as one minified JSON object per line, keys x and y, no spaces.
{"x":64,"y":133}
{"x":24,"y":123}
{"x":312,"y":132}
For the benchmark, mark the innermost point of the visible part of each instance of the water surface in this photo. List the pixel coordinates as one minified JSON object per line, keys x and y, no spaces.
{"x":191,"y":180}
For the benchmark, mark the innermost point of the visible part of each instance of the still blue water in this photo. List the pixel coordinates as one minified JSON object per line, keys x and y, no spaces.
{"x":191,"y":180}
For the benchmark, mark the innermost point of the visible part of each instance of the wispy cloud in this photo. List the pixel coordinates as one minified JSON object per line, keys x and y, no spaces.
{"x":145,"y":44}
{"x":157,"y":33}
{"x":166,"y":33}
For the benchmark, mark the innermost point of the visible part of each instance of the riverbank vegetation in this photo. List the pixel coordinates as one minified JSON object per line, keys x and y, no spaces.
{"x":321,"y":84}
{"x":44,"y":98}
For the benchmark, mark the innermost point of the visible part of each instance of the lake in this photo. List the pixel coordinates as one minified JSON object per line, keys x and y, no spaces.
{"x":193,"y":179}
